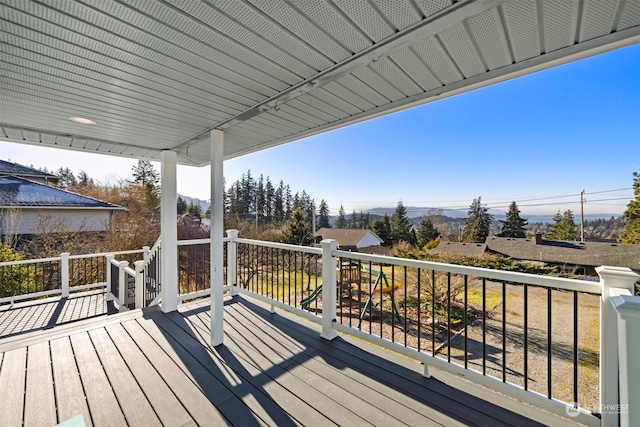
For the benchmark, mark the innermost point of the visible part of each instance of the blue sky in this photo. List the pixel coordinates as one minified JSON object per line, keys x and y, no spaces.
{"x":531,"y":140}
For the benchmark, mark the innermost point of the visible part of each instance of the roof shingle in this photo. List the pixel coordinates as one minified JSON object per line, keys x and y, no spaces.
{"x":19,"y":193}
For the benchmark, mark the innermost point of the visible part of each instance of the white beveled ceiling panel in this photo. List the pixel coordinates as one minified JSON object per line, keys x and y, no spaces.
{"x":160,"y":74}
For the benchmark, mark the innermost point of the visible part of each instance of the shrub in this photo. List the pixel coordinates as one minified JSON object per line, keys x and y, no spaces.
{"x":14,"y":280}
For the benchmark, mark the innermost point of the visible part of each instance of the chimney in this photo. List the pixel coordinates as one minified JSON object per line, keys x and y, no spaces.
{"x":538,"y":238}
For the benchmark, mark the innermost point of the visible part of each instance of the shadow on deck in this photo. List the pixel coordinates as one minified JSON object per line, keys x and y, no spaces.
{"x":150,"y":368}
{"x":46,"y":313}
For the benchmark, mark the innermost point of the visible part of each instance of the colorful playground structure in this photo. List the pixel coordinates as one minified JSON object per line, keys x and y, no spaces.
{"x":350,"y":285}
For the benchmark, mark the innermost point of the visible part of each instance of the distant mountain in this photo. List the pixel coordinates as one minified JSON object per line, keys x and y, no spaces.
{"x":548,"y":219}
{"x":417,"y":212}
{"x":204,"y":204}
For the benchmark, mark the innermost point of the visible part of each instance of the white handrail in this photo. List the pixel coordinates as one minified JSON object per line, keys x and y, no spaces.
{"x":499,"y":275}
{"x":198,"y":241}
{"x":297,"y":248}
{"x":95,"y":255}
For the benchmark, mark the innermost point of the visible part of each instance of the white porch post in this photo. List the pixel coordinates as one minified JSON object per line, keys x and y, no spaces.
{"x":611,"y":278}
{"x":217,"y":231}
{"x":329,"y":265}
{"x":628,"y":308}
{"x":169,"y":232}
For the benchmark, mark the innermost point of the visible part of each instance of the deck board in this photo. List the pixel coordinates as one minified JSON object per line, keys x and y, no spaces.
{"x":12,"y":381}
{"x":164,"y":402}
{"x":51,"y":312}
{"x":153,"y":368}
{"x":387,"y":402}
{"x":134,"y":404}
{"x":189,"y":395}
{"x":70,"y":396}
{"x":374,"y":372}
{"x":268,"y":400}
{"x":325,"y":397}
{"x":40,"y":405}
{"x":103,"y":405}
{"x":358,"y":372}
{"x":212,"y":377}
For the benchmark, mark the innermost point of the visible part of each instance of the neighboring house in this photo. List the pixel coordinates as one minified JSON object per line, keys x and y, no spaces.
{"x":34,"y":175}
{"x":574,"y":257}
{"x":29,"y":206}
{"x":581,"y":257}
{"x":350,"y":238}
{"x":461,"y":248}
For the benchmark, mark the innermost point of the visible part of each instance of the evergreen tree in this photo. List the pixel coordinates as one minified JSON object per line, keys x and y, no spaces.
{"x":66,"y":178}
{"x":306,"y":206}
{"x":260,"y":198}
{"x":564,"y":227}
{"x":297,"y":230}
{"x":631,"y":216}
{"x":323,"y":215}
{"x":269,"y":197}
{"x":195,"y":210}
{"x":84,"y":180}
{"x":513,"y":225}
{"x":287,"y":199}
{"x":477,"y":223}
{"x":145,"y":174}
{"x":426,"y":232}
{"x":278,"y":204}
{"x":352,"y":222}
{"x":341,"y":221}
{"x":182,"y":206}
{"x":400,"y":230}
{"x":382,"y":228}
{"x":363,"y":221}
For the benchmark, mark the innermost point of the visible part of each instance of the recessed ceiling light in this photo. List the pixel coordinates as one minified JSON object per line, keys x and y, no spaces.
{"x":82,"y":120}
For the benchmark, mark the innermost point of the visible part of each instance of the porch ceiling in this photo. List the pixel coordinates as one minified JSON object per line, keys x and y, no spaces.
{"x":159,"y":74}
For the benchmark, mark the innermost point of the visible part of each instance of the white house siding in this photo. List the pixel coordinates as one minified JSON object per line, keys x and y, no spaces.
{"x":32,"y":221}
{"x":369,"y":240}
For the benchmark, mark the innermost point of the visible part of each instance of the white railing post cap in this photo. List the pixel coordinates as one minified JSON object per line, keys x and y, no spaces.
{"x":608,"y":270}
{"x":628,"y":306}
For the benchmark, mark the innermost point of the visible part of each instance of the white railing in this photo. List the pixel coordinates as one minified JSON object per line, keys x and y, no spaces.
{"x":272,"y":272}
{"x":62,"y":275}
{"x":125,"y":286}
{"x":291,"y":277}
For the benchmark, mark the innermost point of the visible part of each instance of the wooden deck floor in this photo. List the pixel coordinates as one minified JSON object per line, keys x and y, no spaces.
{"x":145,"y":368}
{"x":46,"y":313}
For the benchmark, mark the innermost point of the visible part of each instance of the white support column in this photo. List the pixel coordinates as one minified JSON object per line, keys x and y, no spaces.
{"x":628,"y":308}
{"x":64,"y":274}
{"x":329,"y":298}
{"x":232,"y":261}
{"x":169,"y":232}
{"x":217,"y":231}
{"x":610,"y":277}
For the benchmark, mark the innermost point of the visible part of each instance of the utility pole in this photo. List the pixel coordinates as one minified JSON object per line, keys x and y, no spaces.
{"x":582,"y":216}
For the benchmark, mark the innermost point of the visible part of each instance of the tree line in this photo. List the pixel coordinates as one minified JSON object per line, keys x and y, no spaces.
{"x":261,"y":202}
